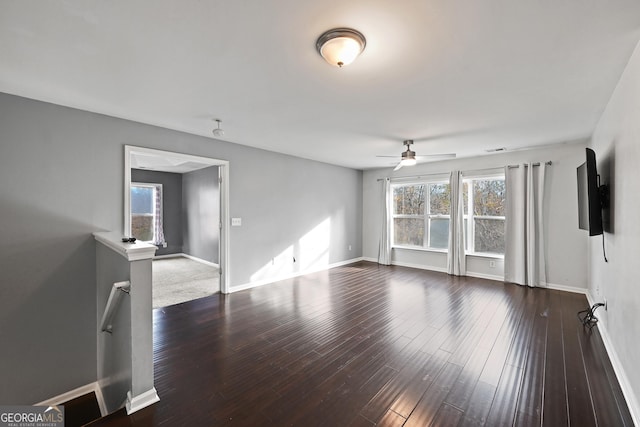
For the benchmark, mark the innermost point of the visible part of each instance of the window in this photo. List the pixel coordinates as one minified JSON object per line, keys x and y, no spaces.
{"x":146,"y":212}
{"x":484,"y":208}
{"x":421,"y":215}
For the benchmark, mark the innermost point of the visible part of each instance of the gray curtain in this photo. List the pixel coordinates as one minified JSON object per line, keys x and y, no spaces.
{"x":524,"y":259}
{"x":456,"y":260}
{"x":384,"y":250}
{"x":158,"y":230}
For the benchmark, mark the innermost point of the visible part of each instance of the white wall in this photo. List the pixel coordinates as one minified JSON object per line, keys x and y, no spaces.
{"x":565,"y":244}
{"x":616,"y":142}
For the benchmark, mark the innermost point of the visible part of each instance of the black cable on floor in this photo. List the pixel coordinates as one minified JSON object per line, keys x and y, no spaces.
{"x":587,"y":317}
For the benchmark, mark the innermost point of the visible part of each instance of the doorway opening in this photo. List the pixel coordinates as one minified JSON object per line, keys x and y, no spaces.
{"x":180,"y":203}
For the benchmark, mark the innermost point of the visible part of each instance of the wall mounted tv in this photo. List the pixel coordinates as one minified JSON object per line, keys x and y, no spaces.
{"x":591,"y":196}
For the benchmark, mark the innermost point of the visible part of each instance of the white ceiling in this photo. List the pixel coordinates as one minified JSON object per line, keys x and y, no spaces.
{"x":458,"y":76}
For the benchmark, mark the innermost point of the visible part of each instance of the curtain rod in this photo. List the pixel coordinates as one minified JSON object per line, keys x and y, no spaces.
{"x":549,"y":163}
{"x":415,"y":176}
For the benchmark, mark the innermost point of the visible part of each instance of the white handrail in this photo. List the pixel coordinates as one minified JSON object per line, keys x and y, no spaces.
{"x":117,"y":290}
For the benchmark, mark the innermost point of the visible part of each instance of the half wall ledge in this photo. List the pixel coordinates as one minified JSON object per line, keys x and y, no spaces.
{"x":125,"y":352}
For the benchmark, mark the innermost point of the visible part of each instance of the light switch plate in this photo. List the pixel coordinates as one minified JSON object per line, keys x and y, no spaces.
{"x":236,"y":222}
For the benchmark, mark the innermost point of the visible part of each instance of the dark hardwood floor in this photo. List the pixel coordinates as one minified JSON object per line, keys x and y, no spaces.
{"x":365,"y":345}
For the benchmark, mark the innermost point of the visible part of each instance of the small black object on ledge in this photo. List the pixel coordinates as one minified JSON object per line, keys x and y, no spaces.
{"x":128,"y":240}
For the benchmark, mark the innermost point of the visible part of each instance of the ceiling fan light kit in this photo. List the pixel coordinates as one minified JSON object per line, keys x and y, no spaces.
{"x":408,"y":157}
{"x":340,"y":46}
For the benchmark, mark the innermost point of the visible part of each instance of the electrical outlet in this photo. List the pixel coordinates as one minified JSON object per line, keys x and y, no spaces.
{"x":349,"y":247}
{"x":492,"y":264}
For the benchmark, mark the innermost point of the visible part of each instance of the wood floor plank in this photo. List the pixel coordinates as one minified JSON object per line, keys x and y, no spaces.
{"x":366,"y":345}
{"x":581,"y":411}
{"x":426,"y":409}
{"x":447,"y":416}
{"x":555,"y":410}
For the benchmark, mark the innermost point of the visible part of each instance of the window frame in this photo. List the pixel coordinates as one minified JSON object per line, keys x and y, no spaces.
{"x":470,"y":218}
{"x":427,"y":217}
{"x":154,"y":216}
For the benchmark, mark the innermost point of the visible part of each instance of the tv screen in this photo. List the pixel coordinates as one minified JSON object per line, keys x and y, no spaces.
{"x":589,"y":203}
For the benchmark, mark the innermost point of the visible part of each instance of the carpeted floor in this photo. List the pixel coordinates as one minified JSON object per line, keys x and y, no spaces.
{"x":180,"y":279}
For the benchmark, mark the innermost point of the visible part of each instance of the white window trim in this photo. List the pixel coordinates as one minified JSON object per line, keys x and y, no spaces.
{"x":470,"y":229}
{"x":426,"y":216}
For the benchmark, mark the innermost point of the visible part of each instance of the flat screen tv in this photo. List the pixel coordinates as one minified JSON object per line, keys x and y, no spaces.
{"x":589,"y":196}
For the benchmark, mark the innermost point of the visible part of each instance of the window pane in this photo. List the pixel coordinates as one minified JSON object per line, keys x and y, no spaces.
{"x":439,"y":199}
{"x":141,"y":200}
{"x":489,"y":235}
{"x":488,"y":197}
{"x":142,"y":206}
{"x":439,"y":233}
{"x":408,"y":200}
{"x":408,"y":231}
{"x":142,"y":227}
{"x":465,"y":196}
{"x":466,"y":233}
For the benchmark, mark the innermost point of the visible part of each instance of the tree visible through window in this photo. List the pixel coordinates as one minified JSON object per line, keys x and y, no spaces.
{"x":421,"y":215}
{"x":485,"y":214}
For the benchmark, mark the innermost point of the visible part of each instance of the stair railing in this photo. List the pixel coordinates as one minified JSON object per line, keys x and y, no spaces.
{"x":117,"y":290}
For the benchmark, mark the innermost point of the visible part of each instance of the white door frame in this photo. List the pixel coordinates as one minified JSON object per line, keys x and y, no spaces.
{"x":224,"y":199}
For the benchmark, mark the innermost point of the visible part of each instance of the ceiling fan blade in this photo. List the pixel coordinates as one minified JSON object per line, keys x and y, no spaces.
{"x":440,"y":156}
{"x":398,"y":167}
{"x":396,"y":156}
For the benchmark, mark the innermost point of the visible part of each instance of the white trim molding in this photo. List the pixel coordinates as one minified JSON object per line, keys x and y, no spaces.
{"x":420,"y":266}
{"x":566,"y":288}
{"x":191,"y":257}
{"x":93,"y":387}
{"x":141,"y":401}
{"x":131,"y":251}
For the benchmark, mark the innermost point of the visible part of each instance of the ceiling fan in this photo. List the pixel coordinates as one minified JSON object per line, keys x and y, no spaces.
{"x":409,"y":158}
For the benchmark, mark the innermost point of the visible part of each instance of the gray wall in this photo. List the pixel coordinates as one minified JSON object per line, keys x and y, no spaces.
{"x":201,"y":213}
{"x":566,"y":245}
{"x":62,"y":177}
{"x":616,"y":142}
{"x":172,"y":205}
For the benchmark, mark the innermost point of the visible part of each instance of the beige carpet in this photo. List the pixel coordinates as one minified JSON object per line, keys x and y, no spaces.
{"x":180,"y":279}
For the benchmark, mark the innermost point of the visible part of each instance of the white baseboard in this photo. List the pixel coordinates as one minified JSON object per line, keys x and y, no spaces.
{"x":438,"y":269}
{"x":77,"y":392}
{"x":565,"y":288}
{"x":419,"y":266}
{"x":141,"y":401}
{"x":485,"y":276}
{"x":623,"y":379}
{"x":200,"y":260}
{"x":191,"y":257}
{"x":167,"y":256}
{"x":270,"y":280}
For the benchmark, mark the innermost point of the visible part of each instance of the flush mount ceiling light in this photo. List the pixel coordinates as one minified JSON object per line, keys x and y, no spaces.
{"x":340,"y":46}
{"x":218,"y":132}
